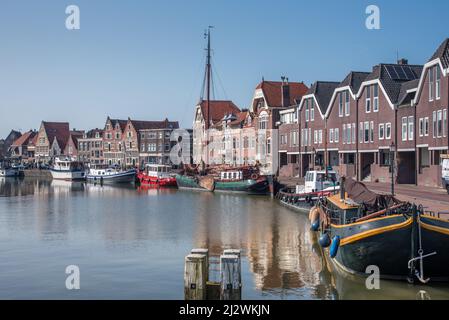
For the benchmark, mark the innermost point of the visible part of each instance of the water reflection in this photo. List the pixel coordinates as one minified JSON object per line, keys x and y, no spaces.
{"x":132,"y":242}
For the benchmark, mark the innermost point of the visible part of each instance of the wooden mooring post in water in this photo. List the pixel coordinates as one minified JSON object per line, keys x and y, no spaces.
{"x":196,"y":276}
{"x":230,"y":274}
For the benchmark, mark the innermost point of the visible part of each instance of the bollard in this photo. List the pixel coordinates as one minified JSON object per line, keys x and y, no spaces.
{"x":231,"y":287}
{"x":206,"y":253}
{"x":236,"y":252}
{"x":195,"y":277}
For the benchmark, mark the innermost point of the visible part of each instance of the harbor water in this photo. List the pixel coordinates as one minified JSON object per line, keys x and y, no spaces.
{"x":130,"y":244}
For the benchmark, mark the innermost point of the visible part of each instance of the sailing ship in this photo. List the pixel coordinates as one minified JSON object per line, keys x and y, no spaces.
{"x":67,"y":169}
{"x":359,"y":228}
{"x":110,"y":175}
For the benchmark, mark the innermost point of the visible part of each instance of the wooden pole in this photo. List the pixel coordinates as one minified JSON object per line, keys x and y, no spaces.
{"x":195,"y":277}
{"x":231,"y":287}
{"x":206,"y":253}
{"x":236,"y":252}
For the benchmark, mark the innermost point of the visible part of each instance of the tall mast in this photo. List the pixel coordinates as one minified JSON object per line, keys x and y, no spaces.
{"x":208,"y":82}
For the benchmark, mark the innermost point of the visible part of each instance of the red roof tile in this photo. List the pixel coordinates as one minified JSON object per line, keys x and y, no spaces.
{"x":57,"y":130}
{"x":272,"y":91}
{"x":218,"y":109}
{"x":25,"y":139}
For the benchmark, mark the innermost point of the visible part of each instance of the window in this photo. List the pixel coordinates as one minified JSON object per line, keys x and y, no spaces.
{"x":347,"y":103}
{"x":444,"y":122}
{"x":431,"y":82}
{"x":372,"y":131}
{"x":361,"y":132}
{"x":312,"y":109}
{"x":117,"y":135}
{"x":368,"y":99}
{"x":421,"y":127}
{"x":404,"y":129}
{"x":269,"y":146}
{"x":434,"y":124}
{"x":411,"y":128}
{"x":381,"y":131}
{"x":307,"y":110}
{"x":337,"y":135}
{"x":263,"y":122}
{"x":353,"y":133}
{"x":315,"y":136}
{"x":340,"y":104}
{"x":388,"y":131}
{"x":376,"y":98}
{"x":439,"y":123}
{"x":366,"y":134}
{"x":438,"y":83}
{"x":142,"y":135}
{"x":331,"y":135}
{"x":310,"y":137}
{"x":426,"y":126}
{"x":320,"y":136}
{"x":344,"y":133}
{"x":142,"y":147}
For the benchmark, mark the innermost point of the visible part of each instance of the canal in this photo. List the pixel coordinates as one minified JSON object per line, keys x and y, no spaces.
{"x":131,"y":244}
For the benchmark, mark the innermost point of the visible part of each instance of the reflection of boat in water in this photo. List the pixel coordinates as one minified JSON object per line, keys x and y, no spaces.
{"x":110,"y":175}
{"x":235,"y":180}
{"x":67,"y":170}
{"x":317,"y":184}
{"x":360,"y":228}
{"x":65,"y":186}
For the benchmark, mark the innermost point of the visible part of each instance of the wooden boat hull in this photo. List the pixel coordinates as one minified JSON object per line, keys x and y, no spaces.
{"x":122,"y":177}
{"x":250,"y":186}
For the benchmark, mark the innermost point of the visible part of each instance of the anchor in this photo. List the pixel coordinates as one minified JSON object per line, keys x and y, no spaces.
{"x":420,"y":274}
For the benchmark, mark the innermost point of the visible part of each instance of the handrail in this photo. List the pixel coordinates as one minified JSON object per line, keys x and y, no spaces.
{"x":379,"y":213}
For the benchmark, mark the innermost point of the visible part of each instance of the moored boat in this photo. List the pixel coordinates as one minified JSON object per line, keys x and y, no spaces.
{"x":317,"y":184}
{"x":229,"y":180}
{"x":9,"y":172}
{"x":67,"y":169}
{"x":156,"y":175}
{"x":111,"y":175}
{"x":361,"y":229}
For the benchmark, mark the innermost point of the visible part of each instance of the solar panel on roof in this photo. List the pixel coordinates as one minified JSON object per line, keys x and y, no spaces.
{"x":392,"y":72}
{"x":409,"y":72}
{"x":401,"y":73}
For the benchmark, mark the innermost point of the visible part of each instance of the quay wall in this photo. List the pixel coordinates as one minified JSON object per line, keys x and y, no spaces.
{"x":37,"y":173}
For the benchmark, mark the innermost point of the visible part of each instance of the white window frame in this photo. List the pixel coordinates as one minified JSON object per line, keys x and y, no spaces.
{"x":437,"y":83}
{"x":331,"y":135}
{"x":431,"y":83}
{"x":411,"y":128}
{"x":307,"y":110}
{"x":312,"y":109}
{"x":375,"y":98}
{"x":340,"y":104}
{"x":337,"y":135}
{"x":388,"y":130}
{"x":343,"y":130}
{"x":421,"y":127}
{"x":404,"y":128}
{"x":439,"y":127}
{"x":371,"y":131}
{"x":426,"y":127}
{"x":381,"y":130}
{"x":353,"y":133}
{"x":347,"y":104}
{"x":315,"y":136}
{"x":320,"y":136}
{"x":444,"y":122}
{"x":434,"y":124}
{"x":365,"y":130}
{"x":361,"y":132}
{"x":368,"y":100}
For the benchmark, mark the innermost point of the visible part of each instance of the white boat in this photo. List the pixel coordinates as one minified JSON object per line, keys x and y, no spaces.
{"x":111,"y":175}
{"x":67,"y":169}
{"x":9,"y":172}
{"x":317,"y":184}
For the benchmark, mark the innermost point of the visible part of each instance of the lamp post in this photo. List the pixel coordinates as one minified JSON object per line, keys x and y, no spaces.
{"x":392,"y":151}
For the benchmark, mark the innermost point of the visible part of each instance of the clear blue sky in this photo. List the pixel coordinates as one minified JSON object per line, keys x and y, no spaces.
{"x":144,"y":59}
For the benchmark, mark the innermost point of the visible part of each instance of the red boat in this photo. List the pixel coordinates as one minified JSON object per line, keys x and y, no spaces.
{"x":156,"y":175}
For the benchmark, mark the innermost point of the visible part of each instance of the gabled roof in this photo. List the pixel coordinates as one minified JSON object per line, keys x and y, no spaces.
{"x":354,"y":80}
{"x":146,"y":125}
{"x":121,"y":123}
{"x":390,"y":83}
{"x":25,"y":139}
{"x":240,"y":118}
{"x":91,"y":133}
{"x":57,"y":130}
{"x":407,"y":92}
{"x":272,"y":91}
{"x":218,"y":109}
{"x":443,"y":53}
{"x":323,"y":91}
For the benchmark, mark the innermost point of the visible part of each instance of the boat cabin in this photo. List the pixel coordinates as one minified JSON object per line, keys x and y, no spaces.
{"x":68,"y":165}
{"x":231,"y":175}
{"x":157,"y":170}
{"x":317,"y":180}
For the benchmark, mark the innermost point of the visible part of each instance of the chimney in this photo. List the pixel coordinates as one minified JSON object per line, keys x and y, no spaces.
{"x":285,"y":92}
{"x":402,"y":61}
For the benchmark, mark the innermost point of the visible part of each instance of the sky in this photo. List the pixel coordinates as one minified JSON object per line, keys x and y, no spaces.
{"x":145,"y":59}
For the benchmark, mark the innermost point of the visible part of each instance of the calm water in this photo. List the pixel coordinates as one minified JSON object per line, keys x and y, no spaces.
{"x":131,"y":244}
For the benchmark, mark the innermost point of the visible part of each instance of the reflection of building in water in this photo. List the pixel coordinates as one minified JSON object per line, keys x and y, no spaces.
{"x":276,"y":242}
